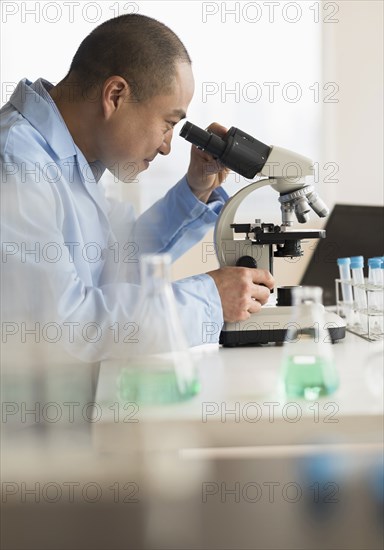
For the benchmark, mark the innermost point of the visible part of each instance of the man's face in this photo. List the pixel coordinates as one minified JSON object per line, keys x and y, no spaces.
{"x":134,"y":132}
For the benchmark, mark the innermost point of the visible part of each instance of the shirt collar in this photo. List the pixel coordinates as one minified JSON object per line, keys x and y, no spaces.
{"x":48,"y":121}
{"x":36,"y":105}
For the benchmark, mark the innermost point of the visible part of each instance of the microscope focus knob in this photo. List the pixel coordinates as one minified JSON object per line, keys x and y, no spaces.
{"x":246,"y":261}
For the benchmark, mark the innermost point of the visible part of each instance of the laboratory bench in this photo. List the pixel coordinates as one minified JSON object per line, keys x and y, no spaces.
{"x":241,"y":405}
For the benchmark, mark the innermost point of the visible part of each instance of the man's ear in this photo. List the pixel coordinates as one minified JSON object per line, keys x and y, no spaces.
{"x":115,"y":92}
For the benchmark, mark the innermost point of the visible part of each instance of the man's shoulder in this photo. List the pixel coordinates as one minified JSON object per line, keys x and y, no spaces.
{"x":10,"y":118}
{"x":19,"y":139}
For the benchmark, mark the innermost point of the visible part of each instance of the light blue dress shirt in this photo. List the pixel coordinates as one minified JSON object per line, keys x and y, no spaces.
{"x":69,"y":255}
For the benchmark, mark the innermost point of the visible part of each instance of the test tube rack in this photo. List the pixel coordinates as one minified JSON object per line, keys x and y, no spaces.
{"x":368,"y":322}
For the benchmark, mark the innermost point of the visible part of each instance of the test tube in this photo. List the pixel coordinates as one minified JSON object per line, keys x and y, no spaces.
{"x":357,"y":265}
{"x":345,"y":275}
{"x":381,"y":260}
{"x":346,"y":287}
{"x":382,"y":271}
{"x":374,"y":271}
{"x":375,"y":296}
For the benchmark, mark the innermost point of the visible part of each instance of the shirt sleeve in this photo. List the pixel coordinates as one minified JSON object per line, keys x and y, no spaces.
{"x":199,"y":294}
{"x":177,"y":221}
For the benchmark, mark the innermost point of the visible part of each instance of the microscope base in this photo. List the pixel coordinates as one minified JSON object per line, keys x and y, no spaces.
{"x":270,"y":325}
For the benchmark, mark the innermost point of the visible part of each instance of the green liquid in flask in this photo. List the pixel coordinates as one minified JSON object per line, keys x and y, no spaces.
{"x":155,"y":387}
{"x":309,"y":376}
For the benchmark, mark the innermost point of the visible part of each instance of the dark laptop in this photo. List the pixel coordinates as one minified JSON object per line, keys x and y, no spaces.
{"x":351,"y":230}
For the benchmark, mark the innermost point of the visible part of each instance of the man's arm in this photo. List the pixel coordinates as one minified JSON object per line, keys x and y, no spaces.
{"x":177,"y":221}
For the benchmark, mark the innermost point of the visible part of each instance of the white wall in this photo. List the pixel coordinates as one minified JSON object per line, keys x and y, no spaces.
{"x":353,"y":127}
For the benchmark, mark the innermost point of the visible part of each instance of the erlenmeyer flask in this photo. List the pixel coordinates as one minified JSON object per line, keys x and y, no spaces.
{"x":308,"y":368}
{"x":161,"y":368}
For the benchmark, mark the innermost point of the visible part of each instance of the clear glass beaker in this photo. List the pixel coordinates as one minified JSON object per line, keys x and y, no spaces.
{"x":161,"y":368}
{"x":308,"y":368}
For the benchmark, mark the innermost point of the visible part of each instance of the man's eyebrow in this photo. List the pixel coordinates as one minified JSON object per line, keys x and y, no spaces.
{"x":179,"y":112}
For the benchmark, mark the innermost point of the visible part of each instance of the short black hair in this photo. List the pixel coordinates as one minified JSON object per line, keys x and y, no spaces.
{"x":138,"y":48}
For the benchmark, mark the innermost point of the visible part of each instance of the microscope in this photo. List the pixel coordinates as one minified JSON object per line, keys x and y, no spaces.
{"x":286,"y":172}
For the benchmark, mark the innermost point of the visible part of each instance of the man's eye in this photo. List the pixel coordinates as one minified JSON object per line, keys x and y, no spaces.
{"x":170,"y":125}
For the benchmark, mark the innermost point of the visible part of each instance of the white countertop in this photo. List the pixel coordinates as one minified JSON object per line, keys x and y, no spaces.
{"x":240,"y":402}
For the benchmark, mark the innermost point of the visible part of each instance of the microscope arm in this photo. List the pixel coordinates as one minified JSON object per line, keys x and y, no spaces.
{"x":223,"y":230}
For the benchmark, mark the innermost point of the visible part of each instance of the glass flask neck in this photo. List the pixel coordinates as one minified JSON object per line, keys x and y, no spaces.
{"x":307,"y":295}
{"x":155,"y":271}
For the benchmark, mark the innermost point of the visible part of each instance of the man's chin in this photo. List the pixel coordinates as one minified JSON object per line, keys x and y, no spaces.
{"x":127,"y":172}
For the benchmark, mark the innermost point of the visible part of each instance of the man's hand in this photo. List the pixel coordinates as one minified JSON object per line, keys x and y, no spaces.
{"x":241,"y":292}
{"x":206,"y":173}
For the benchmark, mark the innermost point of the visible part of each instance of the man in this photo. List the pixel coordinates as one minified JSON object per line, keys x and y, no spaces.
{"x":65,"y":280}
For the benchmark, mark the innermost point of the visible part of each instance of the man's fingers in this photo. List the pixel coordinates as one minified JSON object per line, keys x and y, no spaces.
{"x":218,"y":129}
{"x":242,"y":290}
{"x":254,"y":306}
{"x":262,"y":277}
{"x":261,"y":294}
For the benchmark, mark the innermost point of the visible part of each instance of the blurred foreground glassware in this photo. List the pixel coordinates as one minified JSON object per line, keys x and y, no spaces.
{"x":161,"y":369}
{"x":308,"y":369}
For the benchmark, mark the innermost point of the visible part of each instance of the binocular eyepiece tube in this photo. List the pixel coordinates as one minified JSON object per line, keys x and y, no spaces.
{"x":237,"y":150}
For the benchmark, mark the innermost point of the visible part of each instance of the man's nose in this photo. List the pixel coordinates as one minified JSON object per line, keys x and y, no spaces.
{"x":165,"y":147}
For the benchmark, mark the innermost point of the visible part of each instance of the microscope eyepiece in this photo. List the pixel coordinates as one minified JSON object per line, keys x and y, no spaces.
{"x":203,"y":139}
{"x":237,"y":150}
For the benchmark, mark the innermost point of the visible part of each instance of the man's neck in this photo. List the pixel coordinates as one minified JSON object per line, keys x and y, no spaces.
{"x":78,"y":114}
